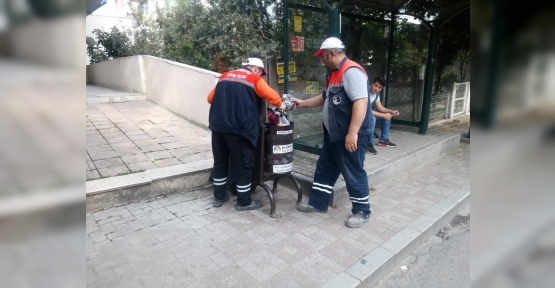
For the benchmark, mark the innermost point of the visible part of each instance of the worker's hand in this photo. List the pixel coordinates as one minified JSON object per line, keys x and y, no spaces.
{"x":288,"y":101}
{"x":298,"y":103}
{"x":386,"y":116}
{"x":282,"y":108}
{"x":395,"y":113}
{"x":351,"y":142}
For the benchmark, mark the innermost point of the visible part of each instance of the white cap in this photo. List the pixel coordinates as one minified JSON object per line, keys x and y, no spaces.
{"x":255,"y":62}
{"x":330,"y":43}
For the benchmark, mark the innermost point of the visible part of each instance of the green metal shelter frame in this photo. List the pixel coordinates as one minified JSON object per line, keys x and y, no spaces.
{"x":433,"y":14}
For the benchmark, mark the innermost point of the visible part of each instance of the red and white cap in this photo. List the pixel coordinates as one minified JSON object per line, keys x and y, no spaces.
{"x":330,"y":43}
{"x":255,"y":62}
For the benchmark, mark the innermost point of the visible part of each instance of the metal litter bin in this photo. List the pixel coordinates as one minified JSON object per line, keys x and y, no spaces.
{"x":274,"y":160}
{"x":279,"y":149}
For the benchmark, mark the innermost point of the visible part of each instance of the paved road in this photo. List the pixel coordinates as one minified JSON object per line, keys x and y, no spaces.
{"x":443,"y":261}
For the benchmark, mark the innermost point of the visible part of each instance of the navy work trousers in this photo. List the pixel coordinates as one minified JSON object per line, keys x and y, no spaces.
{"x":226,"y":146}
{"x":335,"y":159}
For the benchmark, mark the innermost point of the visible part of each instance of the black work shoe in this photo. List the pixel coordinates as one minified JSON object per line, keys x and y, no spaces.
{"x":304,"y":207}
{"x":219,"y":203}
{"x":370,"y":149}
{"x":255,"y":204}
{"x":356,"y":220}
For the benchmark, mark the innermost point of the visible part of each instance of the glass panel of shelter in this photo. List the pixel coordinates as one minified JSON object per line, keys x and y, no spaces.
{"x":367,"y":43}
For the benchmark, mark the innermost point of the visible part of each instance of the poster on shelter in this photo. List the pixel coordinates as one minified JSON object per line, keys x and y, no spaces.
{"x":281,"y":72}
{"x":297,"y":43}
{"x":292,"y":71}
{"x":311,"y":87}
{"x":298,"y":24}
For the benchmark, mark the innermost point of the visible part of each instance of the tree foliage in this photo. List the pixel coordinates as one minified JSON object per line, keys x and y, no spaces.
{"x":236,"y":29}
{"x":217,"y":36}
{"x":220,"y":34}
{"x":410,"y":44}
{"x":178,"y":27}
{"x":463,"y":57}
{"x":110,"y":45}
{"x":146,"y":36}
{"x":454,"y":44}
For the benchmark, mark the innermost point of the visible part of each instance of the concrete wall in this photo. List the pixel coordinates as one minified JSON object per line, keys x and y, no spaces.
{"x":179,"y":88}
{"x":123,"y":74}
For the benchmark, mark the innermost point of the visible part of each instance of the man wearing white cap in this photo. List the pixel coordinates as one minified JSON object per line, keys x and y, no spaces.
{"x":347,"y":132}
{"x":234,"y":118}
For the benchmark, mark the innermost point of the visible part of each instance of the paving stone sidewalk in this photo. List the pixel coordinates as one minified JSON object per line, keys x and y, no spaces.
{"x":182,"y":241}
{"x":130,"y":137}
{"x":406,"y":138}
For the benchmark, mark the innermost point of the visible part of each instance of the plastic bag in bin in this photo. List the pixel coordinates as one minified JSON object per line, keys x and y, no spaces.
{"x":277,"y":117}
{"x":283,"y":121}
{"x":272,"y":116}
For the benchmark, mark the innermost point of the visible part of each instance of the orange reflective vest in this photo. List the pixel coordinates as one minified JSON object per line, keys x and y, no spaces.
{"x":340,"y":106}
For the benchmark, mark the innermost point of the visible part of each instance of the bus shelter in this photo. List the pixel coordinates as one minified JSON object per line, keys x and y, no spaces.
{"x":395,"y":39}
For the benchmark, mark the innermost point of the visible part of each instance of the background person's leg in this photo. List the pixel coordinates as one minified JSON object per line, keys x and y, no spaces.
{"x":373,"y":129}
{"x":385,"y":129}
{"x":370,"y":148}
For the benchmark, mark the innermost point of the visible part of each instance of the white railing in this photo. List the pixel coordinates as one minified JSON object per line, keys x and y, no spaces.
{"x":459,"y":100}
{"x":447,"y":106}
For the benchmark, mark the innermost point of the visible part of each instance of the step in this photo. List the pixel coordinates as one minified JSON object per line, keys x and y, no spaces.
{"x":116,"y":98}
{"x":387,"y":170}
{"x":120,"y":190}
{"x":100,"y":95}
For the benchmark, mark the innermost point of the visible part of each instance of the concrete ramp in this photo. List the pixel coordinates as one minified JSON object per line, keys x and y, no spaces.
{"x":102,"y":95}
